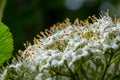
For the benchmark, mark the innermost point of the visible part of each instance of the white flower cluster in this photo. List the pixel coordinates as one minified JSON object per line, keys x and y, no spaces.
{"x":60,"y":51}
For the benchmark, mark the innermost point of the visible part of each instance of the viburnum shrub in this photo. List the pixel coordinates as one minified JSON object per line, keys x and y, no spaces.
{"x":84,"y":50}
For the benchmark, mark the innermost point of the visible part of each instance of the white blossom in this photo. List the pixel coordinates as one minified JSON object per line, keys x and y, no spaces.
{"x":65,"y":44}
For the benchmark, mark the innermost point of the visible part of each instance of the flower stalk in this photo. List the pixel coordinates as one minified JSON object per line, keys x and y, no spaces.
{"x":107,"y":65}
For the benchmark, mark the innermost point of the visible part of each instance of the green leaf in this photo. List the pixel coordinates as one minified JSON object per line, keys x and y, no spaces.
{"x":6,"y":43}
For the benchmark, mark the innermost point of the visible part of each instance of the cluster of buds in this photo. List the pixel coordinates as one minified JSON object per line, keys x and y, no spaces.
{"x":85,"y":50}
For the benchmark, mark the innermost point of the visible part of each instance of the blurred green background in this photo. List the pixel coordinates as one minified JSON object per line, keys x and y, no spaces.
{"x":26,"y":18}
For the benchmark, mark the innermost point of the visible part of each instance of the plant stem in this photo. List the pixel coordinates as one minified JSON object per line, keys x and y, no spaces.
{"x":72,"y":74}
{"x":107,"y":66}
{"x":2,"y":6}
{"x":116,"y":58}
{"x":79,"y":72}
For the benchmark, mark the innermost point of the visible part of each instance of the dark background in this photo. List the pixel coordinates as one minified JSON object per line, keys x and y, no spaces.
{"x":26,"y":18}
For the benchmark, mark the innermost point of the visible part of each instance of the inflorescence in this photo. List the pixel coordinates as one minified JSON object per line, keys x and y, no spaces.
{"x":81,"y":51}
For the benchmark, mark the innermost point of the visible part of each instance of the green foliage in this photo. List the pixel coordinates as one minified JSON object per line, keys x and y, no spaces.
{"x":6,"y":43}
